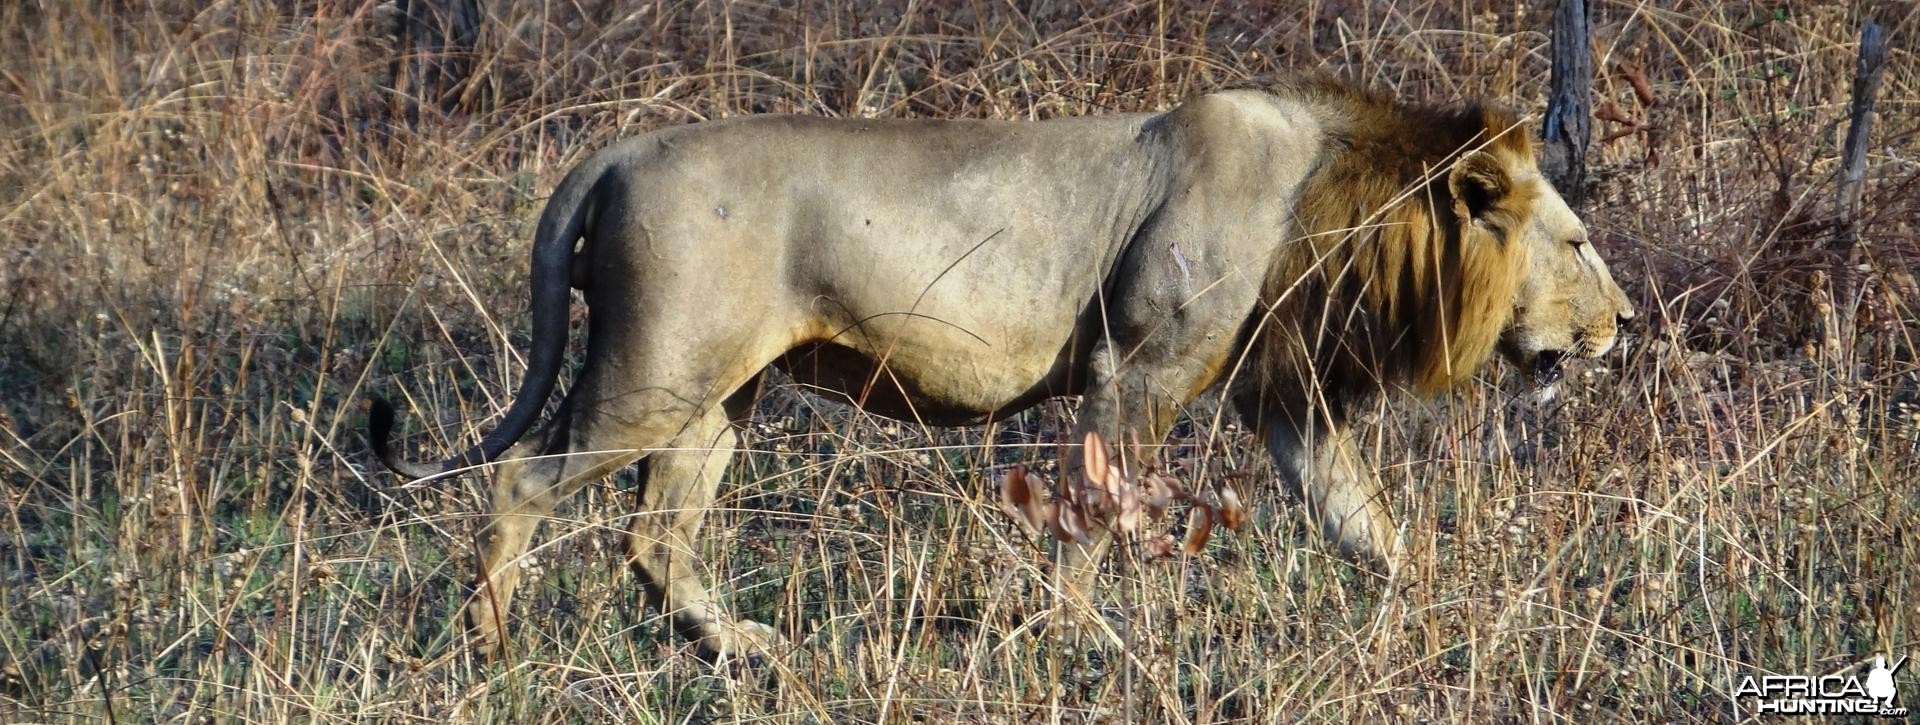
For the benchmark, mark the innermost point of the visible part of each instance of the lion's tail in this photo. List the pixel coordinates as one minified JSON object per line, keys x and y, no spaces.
{"x":561,"y":224}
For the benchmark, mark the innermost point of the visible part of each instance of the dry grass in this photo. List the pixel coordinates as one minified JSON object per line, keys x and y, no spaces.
{"x":225,"y":229}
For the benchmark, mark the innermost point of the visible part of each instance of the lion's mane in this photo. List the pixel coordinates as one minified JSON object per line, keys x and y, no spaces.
{"x":1387,"y":278}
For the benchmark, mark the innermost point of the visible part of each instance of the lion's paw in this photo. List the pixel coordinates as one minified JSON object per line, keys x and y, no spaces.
{"x":753,"y":638}
{"x":742,"y":639}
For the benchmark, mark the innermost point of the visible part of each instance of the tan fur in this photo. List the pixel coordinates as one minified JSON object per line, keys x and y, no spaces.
{"x":1339,"y":242}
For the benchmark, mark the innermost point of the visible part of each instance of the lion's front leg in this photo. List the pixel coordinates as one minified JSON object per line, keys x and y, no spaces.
{"x":1127,"y":409}
{"x":1322,"y":468}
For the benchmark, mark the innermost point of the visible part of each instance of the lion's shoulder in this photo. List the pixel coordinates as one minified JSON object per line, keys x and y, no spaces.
{"x":1253,"y":116}
{"x":1240,"y":142}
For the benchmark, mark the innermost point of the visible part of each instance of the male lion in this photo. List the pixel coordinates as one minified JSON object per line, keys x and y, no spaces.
{"x":951,"y":272}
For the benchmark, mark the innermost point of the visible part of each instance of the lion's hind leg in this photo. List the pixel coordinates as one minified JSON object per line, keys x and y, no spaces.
{"x":525,"y":492}
{"x":677,"y":487}
{"x":603,"y":425}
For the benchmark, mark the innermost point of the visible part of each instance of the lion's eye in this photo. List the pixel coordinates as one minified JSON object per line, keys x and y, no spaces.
{"x":1577,"y":242}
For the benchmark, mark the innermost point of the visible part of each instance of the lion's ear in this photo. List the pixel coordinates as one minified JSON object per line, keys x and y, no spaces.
{"x":1478,"y":184}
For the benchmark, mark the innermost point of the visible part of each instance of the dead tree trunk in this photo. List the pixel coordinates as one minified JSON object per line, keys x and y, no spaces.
{"x":1847,"y":275}
{"x":437,"y":39}
{"x":1569,"y":122}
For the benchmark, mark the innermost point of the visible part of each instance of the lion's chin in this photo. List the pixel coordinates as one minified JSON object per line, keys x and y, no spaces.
{"x":1543,"y":394}
{"x":1545,"y":371}
{"x":1547,"y":367}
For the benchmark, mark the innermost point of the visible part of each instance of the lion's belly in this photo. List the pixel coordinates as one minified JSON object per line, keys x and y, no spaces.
{"x":930,"y":372}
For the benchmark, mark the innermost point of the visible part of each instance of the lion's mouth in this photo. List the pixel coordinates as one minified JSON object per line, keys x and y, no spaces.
{"x":1548,"y":366}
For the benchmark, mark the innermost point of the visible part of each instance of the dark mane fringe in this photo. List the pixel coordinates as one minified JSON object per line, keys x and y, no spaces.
{"x":1385,"y":282}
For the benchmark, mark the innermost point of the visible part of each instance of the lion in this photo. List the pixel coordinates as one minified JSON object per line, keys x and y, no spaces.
{"x":1300,"y":246}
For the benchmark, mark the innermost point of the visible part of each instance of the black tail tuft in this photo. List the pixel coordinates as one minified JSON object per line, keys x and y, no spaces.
{"x":380,"y":434}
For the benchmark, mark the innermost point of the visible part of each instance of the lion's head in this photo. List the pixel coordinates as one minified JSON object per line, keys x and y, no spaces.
{"x":1426,"y":239}
{"x":1567,"y":304}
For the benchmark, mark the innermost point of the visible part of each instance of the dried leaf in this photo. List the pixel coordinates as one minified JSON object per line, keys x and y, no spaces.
{"x":1638,"y":79}
{"x":1611,"y":113}
{"x":1231,"y":511}
{"x":1157,"y":492}
{"x":1128,"y":503}
{"x":1014,"y":493}
{"x":1069,"y":524}
{"x":1620,"y":134}
{"x":1025,"y":498}
{"x":1064,"y":491}
{"x":1105,"y":494}
{"x":1094,"y":454}
{"x":1199,"y":527}
{"x":1116,"y":489}
{"x":1091,"y":497}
